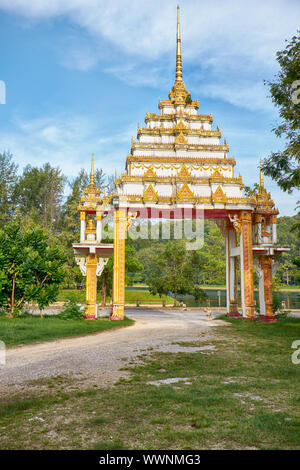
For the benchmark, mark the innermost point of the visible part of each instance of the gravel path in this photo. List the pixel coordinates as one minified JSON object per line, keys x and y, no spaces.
{"x":97,"y":359}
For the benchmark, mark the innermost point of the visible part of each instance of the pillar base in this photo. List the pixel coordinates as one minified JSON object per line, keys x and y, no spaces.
{"x":117,"y":313}
{"x":249,"y":318}
{"x":268,"y":318}
{"x":89,"y":317}
{"x":114,"y":318}
{"x":234,"y":315}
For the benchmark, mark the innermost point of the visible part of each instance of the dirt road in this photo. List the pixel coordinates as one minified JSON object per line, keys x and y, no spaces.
{"x":98,"y":358}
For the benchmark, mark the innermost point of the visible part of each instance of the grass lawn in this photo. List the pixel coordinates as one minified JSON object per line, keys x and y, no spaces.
{"x":31,"y":329}
{"x":243,"y":395}
{"x":131,"y":296}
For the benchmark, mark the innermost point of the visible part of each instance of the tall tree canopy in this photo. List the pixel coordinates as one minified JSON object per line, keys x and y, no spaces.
{"x":30,"y":269}
{"x":284,"y":166}
{"x":175,"y":270}
{"x":8,"y":180}
{"x":39,"y":193}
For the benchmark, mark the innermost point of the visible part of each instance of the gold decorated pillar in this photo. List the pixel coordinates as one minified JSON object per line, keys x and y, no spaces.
{"x":91,"y":287}
{"x":247,"y":289}
{"x":120,"y":226}
{"x":266,"y":267}
{"x":91,"y":275}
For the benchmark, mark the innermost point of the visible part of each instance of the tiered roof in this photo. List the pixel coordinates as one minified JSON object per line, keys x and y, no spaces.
{"x":178,"y":157}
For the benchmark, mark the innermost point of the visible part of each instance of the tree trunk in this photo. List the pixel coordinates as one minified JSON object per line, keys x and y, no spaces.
{"x":104,"y":289}
{"x":175,"y":298}
{"x":13,"y":296}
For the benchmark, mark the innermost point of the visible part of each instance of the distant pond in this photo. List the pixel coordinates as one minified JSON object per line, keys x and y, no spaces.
{"x":291,"y":298}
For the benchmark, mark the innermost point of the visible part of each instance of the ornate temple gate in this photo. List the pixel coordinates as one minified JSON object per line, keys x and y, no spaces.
{"x":91,"y":254}
{"x":178,"y":164}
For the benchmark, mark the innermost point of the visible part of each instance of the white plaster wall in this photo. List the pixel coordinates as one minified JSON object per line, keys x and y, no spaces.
{"x":200,"y":125}
{"x":167,"y":110}
{"x":178,"y":153}
{"x":133,"y":188}
{"x":204,"y":171}
{"x":196,"y":140}
{"x":170,"y":139}
{"x":191,"y":111}
{"x":167,"y":124}
{"x":201,"y":190}
{"x":233,"y":190}
{"x":163,"y":189}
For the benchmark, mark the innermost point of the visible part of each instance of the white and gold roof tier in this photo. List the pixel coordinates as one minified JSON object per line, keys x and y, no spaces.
{"x":91,"y":200}
{"x":177,"y":158}
{"x":264,"y":205}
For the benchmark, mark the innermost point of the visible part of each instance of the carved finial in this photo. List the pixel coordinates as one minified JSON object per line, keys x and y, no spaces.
{"x":261,"y":176}
{"x":92,"y":176}
{"x":178,"y":51}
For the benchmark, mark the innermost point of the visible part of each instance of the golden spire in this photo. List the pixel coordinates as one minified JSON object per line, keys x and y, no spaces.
{"x":178,"y":51}
{"x":261,"y":176}
{"x":92,"y":177}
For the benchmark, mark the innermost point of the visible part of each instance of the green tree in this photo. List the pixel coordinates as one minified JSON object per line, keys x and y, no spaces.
{"x":39,"y":194}
{"x":284,"y":166}
{"x":288,"y":236}
{"x":8,"y":180}
{"x":30,"y":269}
{"x":174,"y":270}
{"x":212,"y":256}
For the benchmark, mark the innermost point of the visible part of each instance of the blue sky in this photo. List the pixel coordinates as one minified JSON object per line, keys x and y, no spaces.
{"x":80,"y":75}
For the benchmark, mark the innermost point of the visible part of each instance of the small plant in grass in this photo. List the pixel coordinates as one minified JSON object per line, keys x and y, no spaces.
{"x":71,"y":310}
{"x":110,"y":445}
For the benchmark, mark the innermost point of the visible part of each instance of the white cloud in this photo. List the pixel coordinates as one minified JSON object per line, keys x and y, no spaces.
{"x":79,"y":59}
{"x":67,"y":142}
{"x":232,"y":43}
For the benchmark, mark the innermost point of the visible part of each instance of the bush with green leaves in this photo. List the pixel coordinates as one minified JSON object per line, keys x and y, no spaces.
{"x":71,"y":310}
{"x":30,"y":269}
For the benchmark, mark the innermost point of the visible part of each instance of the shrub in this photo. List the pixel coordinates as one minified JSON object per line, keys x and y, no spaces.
{"x":71,"y":310}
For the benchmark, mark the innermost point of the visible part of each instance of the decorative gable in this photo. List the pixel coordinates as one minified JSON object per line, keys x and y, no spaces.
{"x":150,"y":194}
{"x":180,"y":125}
{"x":181,"y":139}
{"x":216,"y":174}
{"x":185,"y":193}
{"x":184,"y":173}
{"x":219,"y":195}
{"x":150,"y":173}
